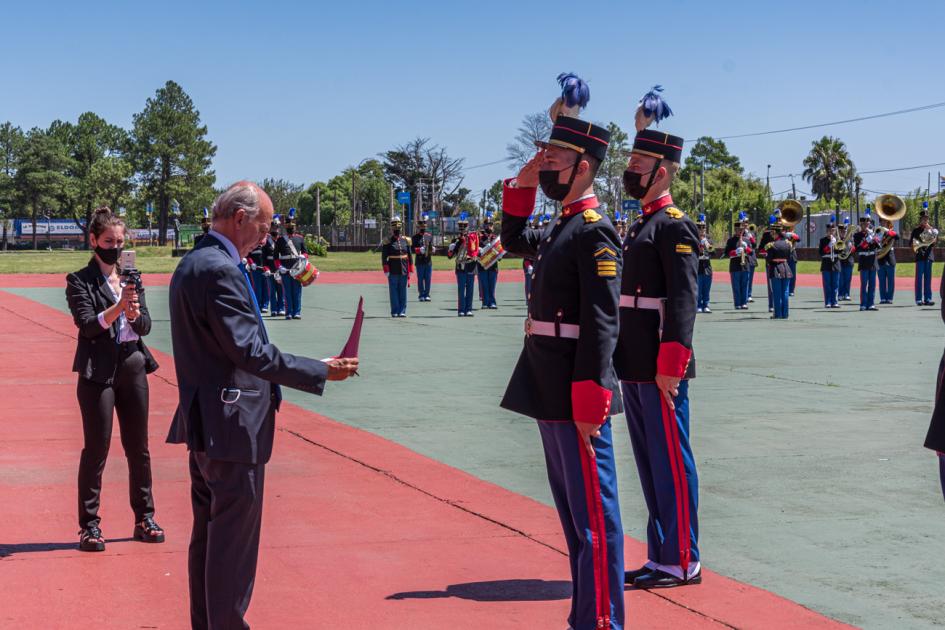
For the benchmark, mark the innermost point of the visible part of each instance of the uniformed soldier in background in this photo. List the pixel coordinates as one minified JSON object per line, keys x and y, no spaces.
{"x":924,"y":256}
{"x":767,"y":237}
{"x":256,"y":265}
{"x":886,"y":261}
{"x":654,"y":358}
{"x":865,"y":244}
{"x":465,"y":251}
{"x":792,"y":237}
{"x":738,"y":250}
{"x":289,"y":248}
{"x":621,"y":225}
{"x":564,"y":377}
{"x":488,"y":278}
{"x":397,"y":262}
{"x":846,"y":264}
{"x":422,"y":244}
{"x":778,"y":258}
{"x":752,"y":259}
{"x":830,"y":265}
{"x":204,"y":226}
{"x":705,"y":267}
{"x":272,"y":268}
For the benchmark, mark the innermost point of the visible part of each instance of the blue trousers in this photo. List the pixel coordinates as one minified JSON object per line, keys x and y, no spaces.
{"x":278,"y":300}
{"x":260,"y":288}
{"x":424,"y":279}
{"x":831,"y":281}
{"x":846,"y":280}
{"x":792,"y":263}
{"x":867,"y":288}
{"x":738,"y":287}
{"x":667,"y":470}
{"x":397,"y":287}
{"x":781,"y":290}
{"x":293,"y":295}
{"x":751,"y":279}
{"x":705,"y":287}
{"x":488,"y":278}
{"x":585,"y":494}
{"x":465,"y":287}
{"x":923,"y":281}
{"x":887,"y":282}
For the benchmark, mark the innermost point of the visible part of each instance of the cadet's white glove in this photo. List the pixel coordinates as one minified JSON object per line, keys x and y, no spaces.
{"x":740,"y":251}
{"x":283,"y":270}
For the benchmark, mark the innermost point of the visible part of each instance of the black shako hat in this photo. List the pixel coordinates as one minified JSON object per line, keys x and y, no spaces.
{"x":658,"y":144}
{"x":579,"y":135}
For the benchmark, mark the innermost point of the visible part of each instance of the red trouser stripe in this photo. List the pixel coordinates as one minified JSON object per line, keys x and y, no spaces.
{"x":679,"y":481}
{"x":595,"y":516}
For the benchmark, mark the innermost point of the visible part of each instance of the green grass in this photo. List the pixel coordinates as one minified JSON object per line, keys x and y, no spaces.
{"x":159,"y":260}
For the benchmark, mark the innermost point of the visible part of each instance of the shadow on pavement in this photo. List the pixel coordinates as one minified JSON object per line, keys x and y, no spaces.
{"x":497,"y":591}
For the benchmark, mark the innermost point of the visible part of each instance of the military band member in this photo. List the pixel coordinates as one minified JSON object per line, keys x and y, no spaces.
{"x":794,"y":239}
{"x":752,"y":259}
{"x":935,"y":439}
{"x":886,"y":262}
{"x":289,"y":248}
{"x":465,"y":250}
{"x":564,"y":378}
{"x":924,"y":256}
{"x":705,"y":267}
{"x":830,"y":265}
{"x":846,"y":264}
{"x":422,"y":244}
{"x":865,"y":244}
{"x":256,"y":265}
{"x":204,"y":226}
{"x":654,"y":358}
{"x":778,"y":256}
{"x":397,"y":262}
{"x":738,"y":250}
{"x":766,"y":238}
{"x":621,"y":225}
{"x":271,"y":269}
{"x":488,"y":278}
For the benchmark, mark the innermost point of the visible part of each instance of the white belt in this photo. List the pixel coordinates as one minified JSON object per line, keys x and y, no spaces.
{"x":286,"y":256}
{"x":551,"y":329}
{"x":647,"y":303}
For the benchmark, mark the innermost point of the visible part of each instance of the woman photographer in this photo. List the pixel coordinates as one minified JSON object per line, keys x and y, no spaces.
{"x":113,"y":364}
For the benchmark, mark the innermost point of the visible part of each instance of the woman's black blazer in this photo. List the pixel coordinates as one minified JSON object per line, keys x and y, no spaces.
{"x":96,"y":356}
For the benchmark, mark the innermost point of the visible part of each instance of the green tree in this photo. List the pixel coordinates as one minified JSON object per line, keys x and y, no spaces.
{"x":12,"y":141}
{"x":424,"y":169}
{"x":40,"y":178}
{"x":492,"y":201}
{"x":610,"y":175}
{"x":171,"y":153}
{"x":829,"y":169}
{"x":534,"y":128}
{"x":713,"y":154}
{"x":284,"y":195}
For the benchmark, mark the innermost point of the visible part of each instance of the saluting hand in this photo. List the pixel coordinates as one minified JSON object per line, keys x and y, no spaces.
{"x":669,"y":387}
{"x":339,"y":369}
{"x":587,"y":431}
{"x":528,"y":176}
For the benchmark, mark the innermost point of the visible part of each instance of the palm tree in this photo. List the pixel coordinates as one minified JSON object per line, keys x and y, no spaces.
{"x":828,"y":168}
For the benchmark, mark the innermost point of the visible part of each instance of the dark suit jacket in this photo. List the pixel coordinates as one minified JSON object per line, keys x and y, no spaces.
{"x":935,"y":439}
{"x":96,"y":355}
{"x":225,"y":363}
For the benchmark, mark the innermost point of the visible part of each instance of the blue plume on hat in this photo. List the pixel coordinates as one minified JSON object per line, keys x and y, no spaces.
{"x":277,"y":219}
{"x":463,"y":216}
{"x":701,"y":218}
{"x":489,"y":214}
{"x":652,"y":108}
{"x":867,"y":209}
{"x":206,"y":213}
{"x":846,"y":220}
{"x":742,"y":216}
{"x":291,"y":214}
{"x":833,"y":218}
{"x":575,"y":95}
{"x":425,"y":217}
{"x":772,"y":220}
{"x":925,"y":205}
{"x":617,"y":215}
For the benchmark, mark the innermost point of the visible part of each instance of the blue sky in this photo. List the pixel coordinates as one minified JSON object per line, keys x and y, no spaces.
{"x":301,"y":90}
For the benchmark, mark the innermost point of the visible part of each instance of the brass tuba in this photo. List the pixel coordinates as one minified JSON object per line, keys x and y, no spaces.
{"x":888,"y":208}
{"x":791,"y":212}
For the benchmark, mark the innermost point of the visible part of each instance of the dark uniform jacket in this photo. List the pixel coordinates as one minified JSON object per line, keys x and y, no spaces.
{"x":935,"y":439}
{"x":865,"y":246}
{"x":269,"y":253}
{"x":753,"y":245}
{"x":422,"y":242}
{"x":778,"y":255}
{"x":256,"y":257}
{"x":197,"y":238}
{"x":396,"y":257}
{"x":576,"y":281}
{"x":227,"y":371}
{"x":890,"y":258}
{"x":849,"y":260}
{"x":829,"y":260}
{"x":469,"y":262}
{"x":762,"y":251}
{"x":660,"y":257}
{"x":794,"y":239}
{"x":926,"y":253}
{"x":284,"y":253}
{"x":96,"y":354}
{"x":735,"y":259}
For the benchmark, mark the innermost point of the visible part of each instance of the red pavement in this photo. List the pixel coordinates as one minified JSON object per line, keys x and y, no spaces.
{"x":358,"y":532}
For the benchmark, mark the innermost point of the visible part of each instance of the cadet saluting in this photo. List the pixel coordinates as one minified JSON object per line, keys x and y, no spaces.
{"x":654,"y":353}
{"x":564,"y":377}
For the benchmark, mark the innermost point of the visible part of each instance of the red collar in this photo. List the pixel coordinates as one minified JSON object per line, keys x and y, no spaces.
{"x":658,"y":204}
{"x":576,"y":207}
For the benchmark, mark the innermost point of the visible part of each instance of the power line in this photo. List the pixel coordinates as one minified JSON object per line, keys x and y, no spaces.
{"x":829,"y":124}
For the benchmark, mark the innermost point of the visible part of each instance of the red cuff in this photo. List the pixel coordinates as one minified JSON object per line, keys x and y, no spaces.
{"x":827,"y":249}
{"x":673,"y":359}
{"x":519,"y":202}
{"x":747,"y":250}
{"x":590,"y":402}
{"x":409,"y":268}
{"x":386,"y":268}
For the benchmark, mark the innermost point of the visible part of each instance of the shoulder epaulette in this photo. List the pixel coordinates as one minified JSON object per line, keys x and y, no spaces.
{"x":675,"y":212}
{"x":591,"y":216}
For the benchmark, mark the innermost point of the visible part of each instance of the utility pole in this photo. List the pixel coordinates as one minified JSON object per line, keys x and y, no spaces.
{"x":318,"y":211}
{"x":768,"y":181}
{"x":702,"y":188}
{"x":354,"y":212}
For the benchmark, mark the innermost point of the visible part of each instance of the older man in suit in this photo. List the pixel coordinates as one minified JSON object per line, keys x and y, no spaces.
{"x":229,"y":377}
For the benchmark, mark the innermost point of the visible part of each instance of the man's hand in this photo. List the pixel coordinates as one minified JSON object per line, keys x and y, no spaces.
{"x":587,"y":431}
{"x":340,"y":369}
{"x":528,"y":176}
{"x":669,"y":387}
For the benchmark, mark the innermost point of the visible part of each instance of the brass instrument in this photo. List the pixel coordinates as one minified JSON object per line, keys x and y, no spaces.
{"x":707,"y":247}
{"x":791,"y":212}
{"x":888,"y":208}
{"x":845,"y":245}
{"x":752,"y":228}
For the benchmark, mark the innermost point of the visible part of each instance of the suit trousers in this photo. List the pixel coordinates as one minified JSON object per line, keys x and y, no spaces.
{"x":227,"y":501}
{"x":98,"y":403}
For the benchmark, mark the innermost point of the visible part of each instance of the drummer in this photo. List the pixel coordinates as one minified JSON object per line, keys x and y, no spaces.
{"x":290,"y":247}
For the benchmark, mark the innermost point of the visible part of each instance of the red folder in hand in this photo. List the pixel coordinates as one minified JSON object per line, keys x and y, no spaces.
{"x":350,"y":350}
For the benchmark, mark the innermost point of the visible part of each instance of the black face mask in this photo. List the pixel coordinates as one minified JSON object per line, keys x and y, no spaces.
{"x":488,"y":230}
{"x":108,"y":256}
{"x":632,"y":185}
{"x":422,"y":230}
{"x":290,"y":232}
{"x":553,"y":189}
{"x":396,"y":234}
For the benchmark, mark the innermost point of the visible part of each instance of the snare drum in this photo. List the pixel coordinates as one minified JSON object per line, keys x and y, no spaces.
{"x":304,"y":271}
{"x":491,"y":254}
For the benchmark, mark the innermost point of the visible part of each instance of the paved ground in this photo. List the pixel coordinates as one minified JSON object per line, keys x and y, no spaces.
{"x":808,"y":435}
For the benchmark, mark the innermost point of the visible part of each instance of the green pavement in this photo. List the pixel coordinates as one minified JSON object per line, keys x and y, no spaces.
{"x":808,"y":432}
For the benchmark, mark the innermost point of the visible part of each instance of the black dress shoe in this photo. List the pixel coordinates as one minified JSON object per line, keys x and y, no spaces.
{"x":661,"y":579}
{"x":148,"y":531}
{"x":91,"y":539}
{"x":630,"y":576}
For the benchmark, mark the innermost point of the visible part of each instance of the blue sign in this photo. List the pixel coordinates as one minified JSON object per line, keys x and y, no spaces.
{"x":403,"y":197}
{"x":631,"y":204}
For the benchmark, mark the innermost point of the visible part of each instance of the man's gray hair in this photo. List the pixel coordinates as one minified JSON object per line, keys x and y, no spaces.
{"x":240,"y":195}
